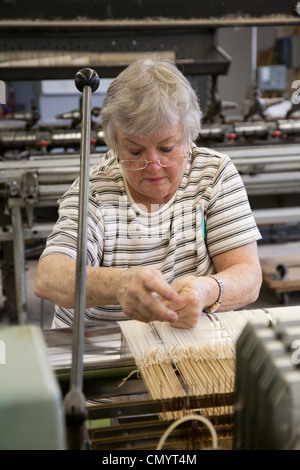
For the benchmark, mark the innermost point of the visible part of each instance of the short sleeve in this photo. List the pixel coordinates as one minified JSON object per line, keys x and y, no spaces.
{"x":229,"y":219}
{"x":63,"y":238}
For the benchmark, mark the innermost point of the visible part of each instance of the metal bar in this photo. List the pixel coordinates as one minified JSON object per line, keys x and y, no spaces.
{"x":144,"y":407}
{"x":145,"y":435}
{"x":62,"y":72}
{"x":19,"y":262}
{"x":253,"y":57}
{"x":36,"y":232}
{"x":283,"y":215}
{"x":86,"y":80}
{"x":159,"y":10}
{"x":80,"y":296}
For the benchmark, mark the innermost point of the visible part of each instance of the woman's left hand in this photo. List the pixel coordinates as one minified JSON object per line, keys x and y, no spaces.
{"x":190,"y":302}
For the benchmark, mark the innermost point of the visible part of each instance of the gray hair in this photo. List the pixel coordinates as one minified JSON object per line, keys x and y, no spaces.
{"x":149,"y":94}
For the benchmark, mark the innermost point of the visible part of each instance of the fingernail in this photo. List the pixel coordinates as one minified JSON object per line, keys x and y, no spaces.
{"x":173,"y":316}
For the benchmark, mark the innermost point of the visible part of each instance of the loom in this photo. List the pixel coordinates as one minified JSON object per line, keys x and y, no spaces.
{"x":256,"y":408}
{"x":121,"y":412}
{"x":264,"y":345}
{"x":268,"y":384}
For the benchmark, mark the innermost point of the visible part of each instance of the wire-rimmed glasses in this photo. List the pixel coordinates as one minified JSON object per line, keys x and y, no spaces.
{"x":164,"y":161}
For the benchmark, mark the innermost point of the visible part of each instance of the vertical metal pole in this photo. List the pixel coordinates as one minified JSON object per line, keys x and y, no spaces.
{"x":80,"y":285}
{"x":19,"y":264}
{"x":87,"y":81}
{"x":253,"y":58}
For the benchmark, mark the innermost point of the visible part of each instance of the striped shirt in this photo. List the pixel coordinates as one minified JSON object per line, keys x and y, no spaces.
{"x":209,"y":214}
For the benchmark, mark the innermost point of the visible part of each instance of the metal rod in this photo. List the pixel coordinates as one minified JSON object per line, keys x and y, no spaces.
{"x":87,"y":81}
{"x":80,"y":291}
{"x":19,"y":263}
{"x":253,"y":58}
{"x":148,"y":407}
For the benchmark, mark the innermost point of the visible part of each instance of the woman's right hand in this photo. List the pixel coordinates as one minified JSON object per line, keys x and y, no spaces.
{"x":138,"y":293}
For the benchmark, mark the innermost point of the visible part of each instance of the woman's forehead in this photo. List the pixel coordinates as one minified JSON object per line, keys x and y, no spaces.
{"x":161,"y":136}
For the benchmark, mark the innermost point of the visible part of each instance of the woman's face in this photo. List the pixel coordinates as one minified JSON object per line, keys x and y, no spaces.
{"x":154,"y":185}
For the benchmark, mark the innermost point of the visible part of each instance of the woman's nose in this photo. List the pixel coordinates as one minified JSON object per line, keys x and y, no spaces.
{"x":153,"y":165}
{"x":152,"y":155}
{"x":152,"y":158}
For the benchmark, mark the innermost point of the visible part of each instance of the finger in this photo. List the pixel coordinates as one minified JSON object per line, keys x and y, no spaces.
{"x":160,"y":286}
{"x":183,"y":325}
{"x":182,"y":301}
{"x":178,"y":304}
{"x":187,"y":309}
{"x":157,"y":310}
{"x":186,"y":321}
{"x":179,"y":284}
{"x":146,"y":307}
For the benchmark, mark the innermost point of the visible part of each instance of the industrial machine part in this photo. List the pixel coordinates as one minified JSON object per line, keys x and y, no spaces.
{"x":29,"y":117}
{"x":268,"y":385}
{"x":31,"y":409}
{"x":35,"y":379}
{"x":121,"y":415}
{"x":16,"y":144}
{"x":281,"y":275}
{"x":41,"y":140}
{"x":35,"y":371}
{"x":120,"y":412}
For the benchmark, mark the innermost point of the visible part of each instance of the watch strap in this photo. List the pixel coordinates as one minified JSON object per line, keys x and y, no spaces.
{"x":217,"y":304}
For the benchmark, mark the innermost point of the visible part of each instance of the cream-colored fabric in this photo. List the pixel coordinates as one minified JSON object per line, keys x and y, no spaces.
{"x":199,"y":361}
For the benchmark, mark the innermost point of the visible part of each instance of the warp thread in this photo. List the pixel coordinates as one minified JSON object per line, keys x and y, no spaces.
{"x":178,"y":362}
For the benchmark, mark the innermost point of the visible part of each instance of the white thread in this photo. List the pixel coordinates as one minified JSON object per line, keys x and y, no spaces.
{"x":189,"y":418}
{"x":204,"y":355}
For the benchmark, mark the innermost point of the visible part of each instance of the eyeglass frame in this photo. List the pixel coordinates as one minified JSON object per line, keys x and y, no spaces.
{"x":155,"y":161}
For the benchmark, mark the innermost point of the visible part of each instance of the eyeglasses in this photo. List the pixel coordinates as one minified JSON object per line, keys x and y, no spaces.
{"x":164,"y":162}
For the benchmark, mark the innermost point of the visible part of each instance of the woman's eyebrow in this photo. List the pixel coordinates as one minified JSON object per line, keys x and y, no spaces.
{"x":127,"y":139}
{"x":131,"y":141}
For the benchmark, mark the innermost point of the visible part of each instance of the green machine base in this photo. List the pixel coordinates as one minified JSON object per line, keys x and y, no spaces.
{"x":31,"y":409}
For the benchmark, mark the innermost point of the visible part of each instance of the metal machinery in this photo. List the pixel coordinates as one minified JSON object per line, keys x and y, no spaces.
{"x":119,"y":413}
{"x":267,"y":385}
{"x":33,"y":175}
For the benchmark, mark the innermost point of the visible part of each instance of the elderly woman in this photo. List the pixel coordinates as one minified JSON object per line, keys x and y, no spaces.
{"x":170,"y":230}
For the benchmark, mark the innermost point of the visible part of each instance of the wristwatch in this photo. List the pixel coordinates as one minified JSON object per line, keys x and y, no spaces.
{"x":217,"y":304}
